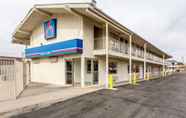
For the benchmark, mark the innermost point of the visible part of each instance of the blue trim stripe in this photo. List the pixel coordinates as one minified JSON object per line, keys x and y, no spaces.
{"x":73,"y":46}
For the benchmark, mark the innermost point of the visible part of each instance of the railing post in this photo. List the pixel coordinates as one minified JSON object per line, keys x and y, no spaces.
{"x":163,"y":65}
{"x":82,"y":71}
{"x":145,"y":52}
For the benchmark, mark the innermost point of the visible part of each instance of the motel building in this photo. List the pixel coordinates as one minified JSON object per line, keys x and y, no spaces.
{"x":76,"y":44}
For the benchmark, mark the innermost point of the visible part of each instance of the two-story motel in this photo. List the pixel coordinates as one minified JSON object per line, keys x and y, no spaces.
{"x":77,"y":44}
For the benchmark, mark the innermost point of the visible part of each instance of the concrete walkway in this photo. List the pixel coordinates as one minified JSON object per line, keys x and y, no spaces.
{"x":30,"y":103}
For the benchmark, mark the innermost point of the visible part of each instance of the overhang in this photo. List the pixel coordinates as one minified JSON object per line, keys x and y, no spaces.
{"x":40,"y":13}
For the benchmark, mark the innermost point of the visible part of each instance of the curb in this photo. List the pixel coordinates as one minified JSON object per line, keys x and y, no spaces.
{"x":38,"y":106}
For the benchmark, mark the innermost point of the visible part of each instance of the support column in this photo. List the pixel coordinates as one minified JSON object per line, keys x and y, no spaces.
{"x":145,"y":64}
{"x":107,"y":56}
{"x":163,"y":65}
{"x":82,"y":71}
{"x":130,"y":59}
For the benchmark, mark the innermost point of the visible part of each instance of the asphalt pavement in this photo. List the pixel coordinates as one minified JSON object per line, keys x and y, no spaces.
{"x":160,"y":98}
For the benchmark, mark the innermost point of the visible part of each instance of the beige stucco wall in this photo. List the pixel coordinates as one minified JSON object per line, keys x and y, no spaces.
{"x":45,"y":71}
{"x":122,"y":70}
{"x":88,"y":38}
{"x":71,"y":27}
{"x":68,"y":27}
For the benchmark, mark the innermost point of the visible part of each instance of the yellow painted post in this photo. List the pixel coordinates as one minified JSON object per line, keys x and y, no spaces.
{"x":130,"y":79}
{"x":148,"y":76}
{"x":134,"y":79}
{"x":162,"y":74}
{"x":110,"y":81}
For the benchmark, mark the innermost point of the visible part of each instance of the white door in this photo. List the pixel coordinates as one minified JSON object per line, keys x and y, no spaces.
{"x":141,"y":72}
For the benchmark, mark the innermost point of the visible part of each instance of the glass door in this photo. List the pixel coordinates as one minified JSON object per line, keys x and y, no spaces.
{"x":95,"y":73}
{"x":69,"y":72}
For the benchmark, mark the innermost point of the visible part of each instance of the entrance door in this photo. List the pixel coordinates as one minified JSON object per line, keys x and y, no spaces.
{"x":69,"y":72}
{"x":95,"y":72}
{"x":141,"y":72}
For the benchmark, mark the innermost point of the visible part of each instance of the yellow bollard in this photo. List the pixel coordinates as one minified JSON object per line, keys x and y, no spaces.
{"x":110,"y":81}
{"x":162,"y":74}
{"x":130,"y":79}
{"x":134,"y":79}
{"x":148,"y":76}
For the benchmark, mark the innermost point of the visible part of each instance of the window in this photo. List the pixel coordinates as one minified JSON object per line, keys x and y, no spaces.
{"x":53,"y":59}
{"x":36,"y":60}
{"x":98,"y":38}
{"x":88,"y":66}
{"x":112,"y":68}
{"x":128,"y":67}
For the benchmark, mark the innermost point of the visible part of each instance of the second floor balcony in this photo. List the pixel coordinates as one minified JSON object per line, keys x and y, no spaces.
{"x":121,"y":47}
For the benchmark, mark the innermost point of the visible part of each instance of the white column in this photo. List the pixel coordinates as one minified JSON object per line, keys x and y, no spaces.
{"x":130,"y":59}
{"x":82,"y":71}
{"x":107,"y":56}
{"x":145,"y":65}
{"x":163,"y":65}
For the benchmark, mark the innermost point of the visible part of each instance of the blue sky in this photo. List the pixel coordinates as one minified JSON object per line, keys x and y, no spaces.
{"x":162,"y":22}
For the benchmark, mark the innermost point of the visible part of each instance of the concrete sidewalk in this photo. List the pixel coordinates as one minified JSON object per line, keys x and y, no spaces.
{"x":26,"y":104}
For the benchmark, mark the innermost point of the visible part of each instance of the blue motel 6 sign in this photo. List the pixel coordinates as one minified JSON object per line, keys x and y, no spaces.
{"x":50,"y":28}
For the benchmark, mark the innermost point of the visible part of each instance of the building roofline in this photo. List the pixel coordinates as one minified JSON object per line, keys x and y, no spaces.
{"x":92,"y":6}
{"x":131,"y":32}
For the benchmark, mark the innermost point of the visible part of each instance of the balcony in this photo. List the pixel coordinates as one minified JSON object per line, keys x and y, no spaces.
{"x":120,"y":48}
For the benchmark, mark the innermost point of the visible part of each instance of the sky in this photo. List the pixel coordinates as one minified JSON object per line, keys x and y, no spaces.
{"x":162,"y":22}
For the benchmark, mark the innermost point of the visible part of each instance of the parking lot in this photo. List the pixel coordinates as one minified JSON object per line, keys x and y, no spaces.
{"x":161,"y":98}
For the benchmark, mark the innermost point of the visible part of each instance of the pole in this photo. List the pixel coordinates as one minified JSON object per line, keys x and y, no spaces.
{"x":107,"y":56}
{"x":145,"y":52}
{"x":130,"y":59}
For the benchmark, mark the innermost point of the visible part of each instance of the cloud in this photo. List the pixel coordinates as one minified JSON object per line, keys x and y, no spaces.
{"x":162,"y":22}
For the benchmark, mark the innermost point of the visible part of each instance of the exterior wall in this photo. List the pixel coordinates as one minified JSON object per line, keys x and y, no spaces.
{"x":122,"y":70}
{"x":156,"y":71}
{"x":45,"y":71}
{"x":68,"y":27}
{"x":140,"y":67}
{"x":122,"y":74}
{"x":71,"y":27}
{"x":102,"y":68}
{"x":88,"y":38}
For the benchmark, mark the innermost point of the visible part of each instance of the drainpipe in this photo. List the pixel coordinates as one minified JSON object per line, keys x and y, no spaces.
{"x":130,"y":59}
{"x":107,"y":56}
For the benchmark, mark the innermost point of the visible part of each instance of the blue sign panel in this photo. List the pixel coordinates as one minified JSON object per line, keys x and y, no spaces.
{"x":50,"y":28}
{"x":74,"y":46}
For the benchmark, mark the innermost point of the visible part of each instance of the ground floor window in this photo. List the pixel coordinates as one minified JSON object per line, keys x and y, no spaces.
{"x":88,"y":66}
{"x":112,"y":67}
